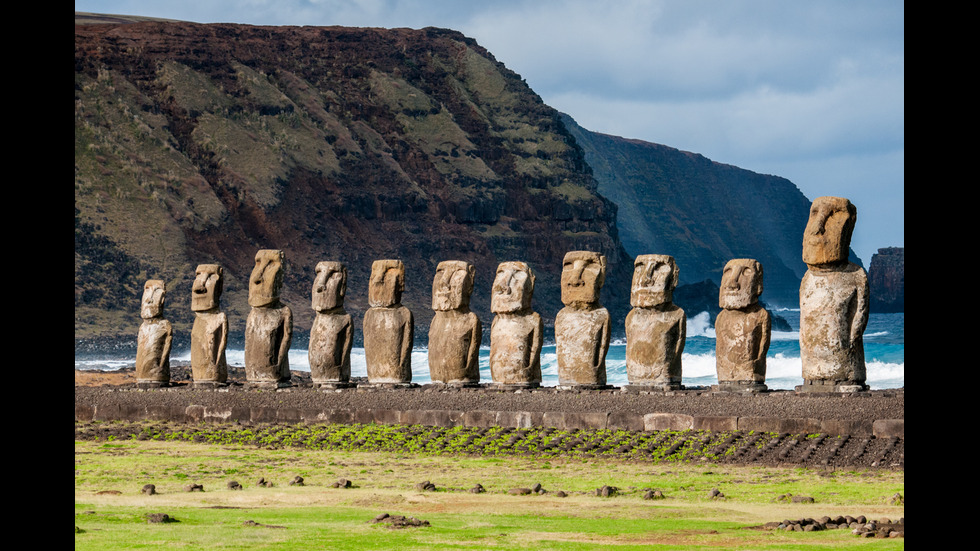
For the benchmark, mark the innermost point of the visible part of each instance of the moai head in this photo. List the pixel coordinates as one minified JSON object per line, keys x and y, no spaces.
{"x":329,"y":286}
{"x":654,"y":279}
{"x":827,"y":237}
{"x":582,"y":276}
{"x":265,"y":282}
{"x":154,"y":295}
{"x":452,"y":285}
{"x":741,"y":284}
{"x":387,"y":283}
{"x":206,"y":291}
{"x":513,"y":288}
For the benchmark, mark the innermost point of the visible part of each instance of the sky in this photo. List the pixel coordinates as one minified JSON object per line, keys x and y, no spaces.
{"x":811,"y":91}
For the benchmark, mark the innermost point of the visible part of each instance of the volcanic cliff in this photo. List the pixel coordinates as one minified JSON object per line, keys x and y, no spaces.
{"x":204,"y":143}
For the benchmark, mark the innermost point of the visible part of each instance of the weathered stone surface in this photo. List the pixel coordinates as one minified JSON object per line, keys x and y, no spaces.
{"x":517,"y":332}
{"x":154,"y":338}
{"x":667,"y":421}
{"x":389,"y":327}
{"x":743,"y":328}
{"x":209,"y":334}
{"x":655,"y":328}
{"x":269,"y":327}
{"x":332,"y":334}
{"x":455,"y":332}
{"x":886,"y":277}
{"x":834,"y":301}
{"x":582,"y":327}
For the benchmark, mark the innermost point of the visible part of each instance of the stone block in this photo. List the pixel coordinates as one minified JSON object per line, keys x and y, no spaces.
{"x":227,"y":415}
{"x":388,"y":417}
{"x":84,"y":412}
{"x":799,"y":425}
{"x":716,"y":422}
{"x":667,"y":421}
{"x":625,"y":421}
{"x":263,"y":415}
{"x":480,"y":418}
{"x":888,"y":428}
{"x":760,"y":424}
{"x":116,"y":412}
{"x":861,"y":427}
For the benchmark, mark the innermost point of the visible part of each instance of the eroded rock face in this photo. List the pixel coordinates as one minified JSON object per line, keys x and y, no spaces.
{"x":517,"y":332}
{"x":582,"y":326}
{"x":455,"y":332}
{"x":834,"y":301}
{"x":154,"y":338}
{"x":389,"y":327}
{"x":332,"y":334}
{"x":269,"y":327}
{"x":209,"y":334}
{"x":655,"y":328}
{"x":742,"y":329}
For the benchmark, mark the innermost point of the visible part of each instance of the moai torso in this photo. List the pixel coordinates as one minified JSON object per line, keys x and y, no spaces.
{"x":154,"y":338}
{"x":582,"y":326}
{"x":455,"y":331}
{"x":656,"y":328}
{"x":209,"y":334}
{"x":269,"y":326}
{"x":332,"y":334}
{"x":517,"y":332}
{"x":743,"y":328}
{"x":389,"y":327}
{"x":834,"y":301}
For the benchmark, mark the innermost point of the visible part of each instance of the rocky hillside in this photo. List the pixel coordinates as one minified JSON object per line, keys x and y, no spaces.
{"x":204,"y":143}
{"x":702,"y":212}
{"x":886,"y":277}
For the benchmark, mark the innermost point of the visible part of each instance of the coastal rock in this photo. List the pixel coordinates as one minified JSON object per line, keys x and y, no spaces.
{"x":886,"y":279}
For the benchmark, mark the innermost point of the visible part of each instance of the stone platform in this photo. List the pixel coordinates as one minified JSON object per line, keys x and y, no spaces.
{"x":879,"y":413}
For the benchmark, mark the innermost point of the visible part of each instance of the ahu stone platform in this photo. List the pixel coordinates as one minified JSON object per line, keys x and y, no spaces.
{"x":878,"y":413}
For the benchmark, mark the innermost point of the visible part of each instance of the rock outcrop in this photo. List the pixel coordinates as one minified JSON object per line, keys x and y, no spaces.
{"x":886,"y":275}
{"x":203,"y":143}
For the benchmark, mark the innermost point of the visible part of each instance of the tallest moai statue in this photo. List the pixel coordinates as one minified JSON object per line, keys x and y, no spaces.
{"x":834,"y":301}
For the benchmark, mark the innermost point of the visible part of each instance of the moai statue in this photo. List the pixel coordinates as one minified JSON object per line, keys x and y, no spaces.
{"x":332,"y":334}
{"x":154,"y":338}
{"x":742,"y":329}
{"x":834,"y":301}
{"x":209,"y":335}
{"x":269,"y":327}
{"x":517,"y":332}
{"x":582,"y":326}
{"x":389,"y":327}
{"x":656,"y":328}
{"x":455,"y":332}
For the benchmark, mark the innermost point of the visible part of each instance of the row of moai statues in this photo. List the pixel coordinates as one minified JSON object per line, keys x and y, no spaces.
{"x":833,"y":301}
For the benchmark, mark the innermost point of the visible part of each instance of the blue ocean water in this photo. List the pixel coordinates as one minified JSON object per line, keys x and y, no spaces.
{"x":884,"y":350}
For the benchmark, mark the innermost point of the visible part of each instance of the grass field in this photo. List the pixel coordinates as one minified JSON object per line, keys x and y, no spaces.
{"x":111,"y":512}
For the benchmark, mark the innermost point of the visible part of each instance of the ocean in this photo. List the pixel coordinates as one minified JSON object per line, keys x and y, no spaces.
{"x":884,"y":350}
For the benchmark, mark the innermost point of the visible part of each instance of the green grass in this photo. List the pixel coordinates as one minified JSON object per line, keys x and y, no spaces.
{"x":317,"y":516}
